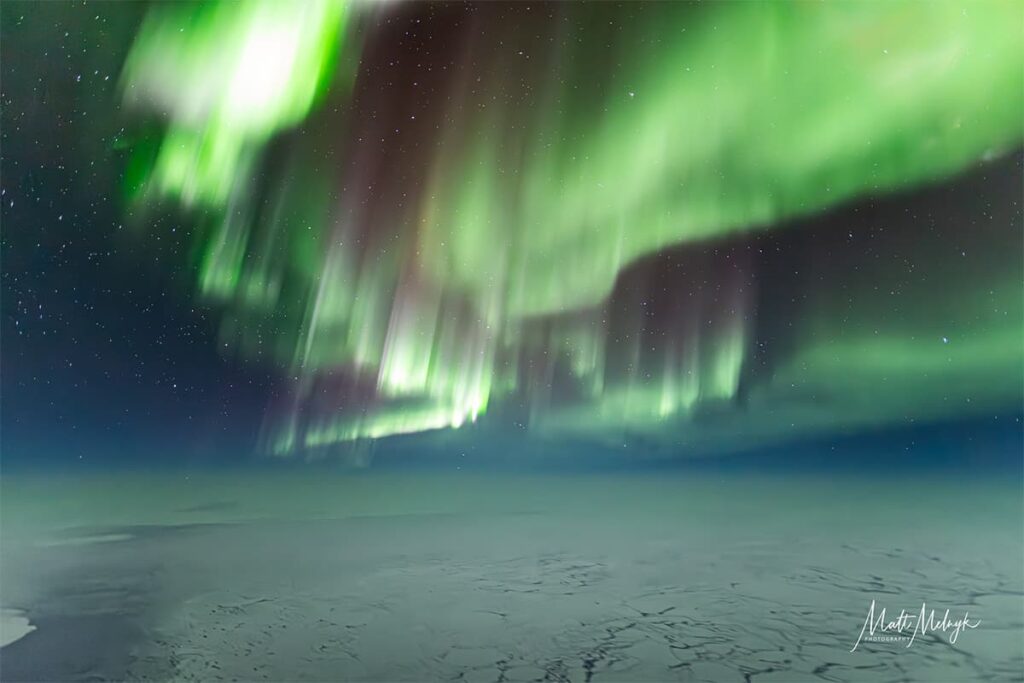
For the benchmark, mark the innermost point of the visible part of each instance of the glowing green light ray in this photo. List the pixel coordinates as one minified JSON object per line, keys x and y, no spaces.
{"x":668,"y":124}
{"x":227,"y":76}
{"x":755,"y":114}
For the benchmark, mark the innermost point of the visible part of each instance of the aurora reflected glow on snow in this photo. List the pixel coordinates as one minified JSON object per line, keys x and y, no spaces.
{"x":566,"y":222}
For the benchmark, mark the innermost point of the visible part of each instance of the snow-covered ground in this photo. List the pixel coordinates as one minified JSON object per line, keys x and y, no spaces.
{"x":269,"y":576}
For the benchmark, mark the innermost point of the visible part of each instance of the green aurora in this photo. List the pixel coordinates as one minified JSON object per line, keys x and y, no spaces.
{"x":482,"y":271}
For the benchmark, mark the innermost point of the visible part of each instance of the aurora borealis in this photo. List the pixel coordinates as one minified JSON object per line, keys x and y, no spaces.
{"x":560,"y":155}
{"x":692,"y":227}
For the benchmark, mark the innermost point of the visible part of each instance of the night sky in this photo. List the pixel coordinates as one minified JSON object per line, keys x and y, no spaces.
{"x":553,"y":227}
{"x":104,"y":355}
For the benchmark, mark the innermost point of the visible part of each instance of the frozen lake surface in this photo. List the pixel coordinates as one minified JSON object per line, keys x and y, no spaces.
{"x":385,"y":577}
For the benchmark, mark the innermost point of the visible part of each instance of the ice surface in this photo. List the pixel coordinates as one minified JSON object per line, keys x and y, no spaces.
{"x":13,"y":625}
{"x":436,"y":577}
